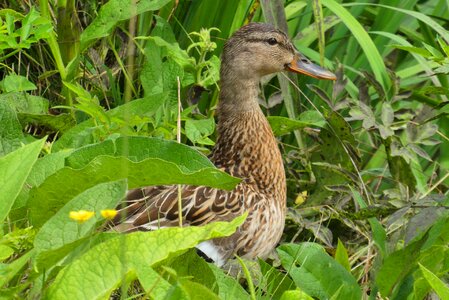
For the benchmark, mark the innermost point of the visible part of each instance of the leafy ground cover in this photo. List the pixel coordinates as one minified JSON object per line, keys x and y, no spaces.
{"x":89,"y":109}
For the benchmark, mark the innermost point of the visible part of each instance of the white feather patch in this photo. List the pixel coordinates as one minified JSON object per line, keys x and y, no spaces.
{"x":211,"y":251}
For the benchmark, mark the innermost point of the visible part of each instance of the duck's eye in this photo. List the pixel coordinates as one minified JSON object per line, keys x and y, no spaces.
{"x":272,"y":41}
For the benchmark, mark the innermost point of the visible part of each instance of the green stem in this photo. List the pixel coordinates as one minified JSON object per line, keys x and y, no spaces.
{"x":52,"y":41}
{"x":249,"y":280}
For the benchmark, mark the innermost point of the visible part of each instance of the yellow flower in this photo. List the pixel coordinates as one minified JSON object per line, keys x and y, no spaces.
{"x":301,"y":198}
{"x":81,"y":215}
{"x":109,"y":213}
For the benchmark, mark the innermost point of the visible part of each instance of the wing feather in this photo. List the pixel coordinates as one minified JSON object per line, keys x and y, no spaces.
{"x":155,"y":207}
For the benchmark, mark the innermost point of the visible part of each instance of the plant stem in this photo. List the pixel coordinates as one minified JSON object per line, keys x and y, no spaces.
{"x":249,"y":280}
{"x":178,"y":138}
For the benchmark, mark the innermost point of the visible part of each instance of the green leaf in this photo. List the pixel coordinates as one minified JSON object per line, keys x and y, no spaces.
{"x":101,"y":269}
{"x":11,"y":136}
{"x":179,"y":55}
{"x":437,"y":284}
{"x":60,"y":230}
{"x":366,"y":43}
{"x":44,"y":167}
{"x":198,"y":131}
{"x":420,"y":51}
{"x":341,"y":255}
{"x":417,"y":15}
{"x":11,"y":270}
{"x":15,"y":168}
{"x":113,"y":12}
{"x":24,"y":103}
{"x":198,"y":291}
{"x":34,"y":110}
{"x":138,"y":149}
{"x":399,"y":168}
{"x":5,"y":252}
{"x":153,"y":283}
{"x":16,"y":83}
{"x":336,"y":157}
{"x":191,"y":265}
{"x":283,"y":125}
{"x":228,"y":287}
{"x":159,"y":72}
{"x":83,"y":133}
{"x":274,"y":283}
{"x":316,"y":273}
{"x":398,"y":266}
{"x":148,"y":162}
{"x":379,"y":233}
{"x":295,"y":295}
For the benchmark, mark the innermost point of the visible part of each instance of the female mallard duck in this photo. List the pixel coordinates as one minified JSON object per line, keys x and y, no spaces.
{"x":245,"y":148}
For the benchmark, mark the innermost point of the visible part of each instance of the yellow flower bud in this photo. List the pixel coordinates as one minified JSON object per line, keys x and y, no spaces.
{"x":81,"y":215}
{"x":109,"y":213}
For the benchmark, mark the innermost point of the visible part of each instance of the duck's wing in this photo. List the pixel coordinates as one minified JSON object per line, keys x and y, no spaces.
{"x":154,"y":207}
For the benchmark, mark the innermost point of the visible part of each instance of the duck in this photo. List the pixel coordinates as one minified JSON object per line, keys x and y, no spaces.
{"x":245,"y":148}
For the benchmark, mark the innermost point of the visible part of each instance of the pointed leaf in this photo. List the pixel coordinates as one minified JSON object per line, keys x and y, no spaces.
{"x":15,"y":169}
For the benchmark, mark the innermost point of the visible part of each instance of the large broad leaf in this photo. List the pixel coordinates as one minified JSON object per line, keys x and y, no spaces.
{"x":98,"y":272}
{"x":44,"y":167}
{"x":113,"y":12}
{"x":138,"y":149}
{"x":15,"y":168}
{"x":148,"y":161}
{"x":318,"y":274}
{"x":60,"y":231}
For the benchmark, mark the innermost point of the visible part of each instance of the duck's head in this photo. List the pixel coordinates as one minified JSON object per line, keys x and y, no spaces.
{"x":259,"y":49}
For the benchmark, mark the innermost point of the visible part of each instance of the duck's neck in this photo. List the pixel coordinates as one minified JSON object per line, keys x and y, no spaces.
{"x":246,"y":146}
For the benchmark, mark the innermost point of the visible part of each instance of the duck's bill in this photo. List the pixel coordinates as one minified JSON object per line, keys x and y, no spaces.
{"x":301,"y":64}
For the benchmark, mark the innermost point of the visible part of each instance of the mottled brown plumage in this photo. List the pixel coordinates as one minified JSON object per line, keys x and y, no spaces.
{"x":245,"y":148}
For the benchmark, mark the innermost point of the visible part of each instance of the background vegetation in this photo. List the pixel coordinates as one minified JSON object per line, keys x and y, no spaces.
{"x":89,"y":106}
